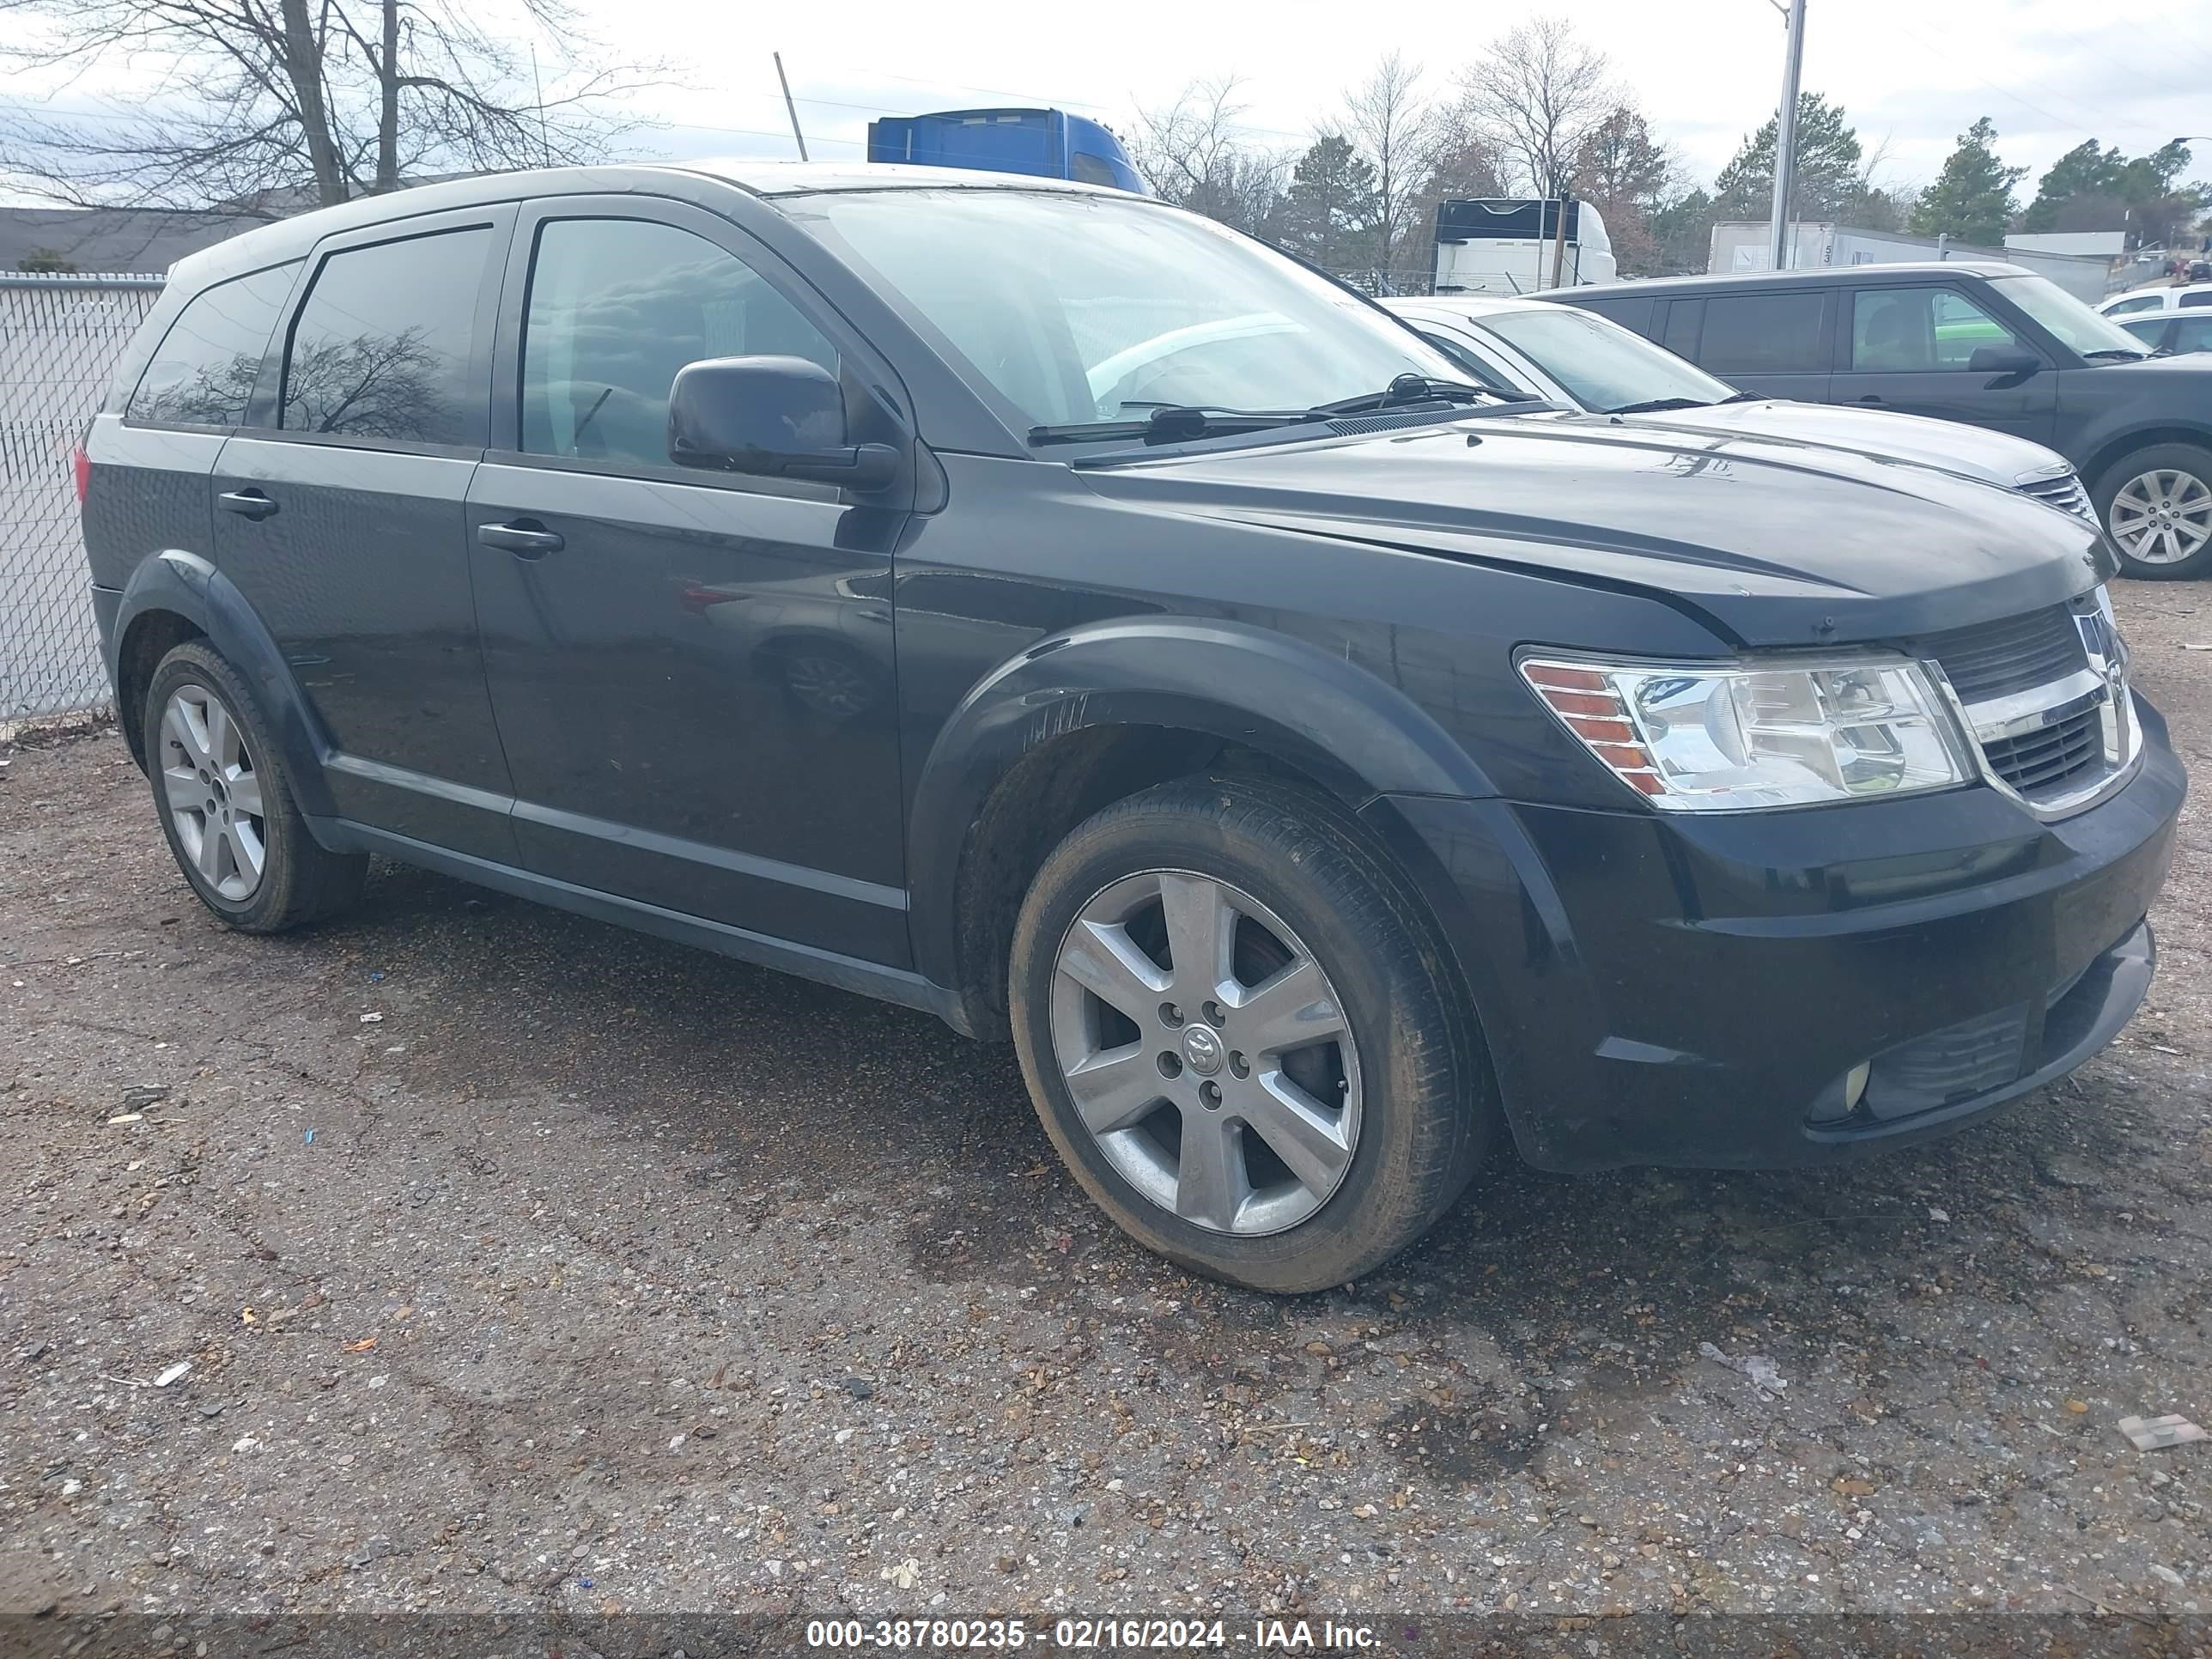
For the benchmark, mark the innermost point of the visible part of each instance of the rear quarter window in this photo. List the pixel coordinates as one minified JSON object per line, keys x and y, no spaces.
{"x":203,"y":372}
{"x":2188,"y":302}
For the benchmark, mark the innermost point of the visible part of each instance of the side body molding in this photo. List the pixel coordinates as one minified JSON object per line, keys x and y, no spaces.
{"x":189,"y":586}
{"x":1344,"y":727}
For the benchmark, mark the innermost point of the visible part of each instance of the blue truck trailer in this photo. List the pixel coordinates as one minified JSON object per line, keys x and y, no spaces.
{"x":1045,"y":143}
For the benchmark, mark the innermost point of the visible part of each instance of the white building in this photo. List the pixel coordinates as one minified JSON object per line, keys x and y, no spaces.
{"x":1740,"y":246}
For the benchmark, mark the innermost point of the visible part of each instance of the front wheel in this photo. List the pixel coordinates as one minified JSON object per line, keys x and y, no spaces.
{"x":1242,"y":1035}
{"x":2156,"y":505}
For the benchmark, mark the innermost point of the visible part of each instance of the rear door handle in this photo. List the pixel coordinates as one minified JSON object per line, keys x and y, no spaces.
{"x":524,"y":538}
{"x":246,"y":504}
{"x":1870,"y":397}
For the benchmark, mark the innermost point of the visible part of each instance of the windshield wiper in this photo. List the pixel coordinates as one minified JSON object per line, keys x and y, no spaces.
{"x":1657,"y":405}
{"x":1411,"y":389}
{"x":2120,"y":352}
{"x":1171,"y":423}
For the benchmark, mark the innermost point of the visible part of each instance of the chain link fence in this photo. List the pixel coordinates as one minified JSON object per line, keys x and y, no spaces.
{"x":59,"y":339}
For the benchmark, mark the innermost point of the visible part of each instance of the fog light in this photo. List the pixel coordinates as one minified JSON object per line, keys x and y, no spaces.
{"x":1841,"y":1098}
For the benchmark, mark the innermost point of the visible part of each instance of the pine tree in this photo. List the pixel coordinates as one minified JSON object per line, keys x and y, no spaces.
{"x":1827,"y":181}
{"x":1971,"y":199}
{"x":1328,"y":213}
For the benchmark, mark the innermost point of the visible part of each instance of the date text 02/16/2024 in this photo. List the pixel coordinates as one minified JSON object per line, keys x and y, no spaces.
{"x":1079,"y":1635}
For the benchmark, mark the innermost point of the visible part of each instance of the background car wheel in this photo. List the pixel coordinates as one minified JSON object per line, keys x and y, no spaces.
{"x":1244,"y":1036}
{"x":2156,"y":505}
{"x":225,"y":801}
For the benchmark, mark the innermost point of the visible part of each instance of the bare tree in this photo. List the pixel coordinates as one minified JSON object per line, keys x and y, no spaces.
{"x":281,"y":104}
{"x":1391,"y":123}
{"x":1193,"y":154}
{"x":1535,"y":96}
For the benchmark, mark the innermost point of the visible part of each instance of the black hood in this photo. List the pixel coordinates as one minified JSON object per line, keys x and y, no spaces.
{"x":1772,"y":543}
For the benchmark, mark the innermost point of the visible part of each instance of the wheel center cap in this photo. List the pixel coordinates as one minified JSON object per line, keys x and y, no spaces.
{"x":1202,"y":1048}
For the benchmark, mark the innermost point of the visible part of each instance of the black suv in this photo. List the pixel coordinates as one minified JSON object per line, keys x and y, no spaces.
{"x":1043,"y":607}
{"x":1984,"y":342}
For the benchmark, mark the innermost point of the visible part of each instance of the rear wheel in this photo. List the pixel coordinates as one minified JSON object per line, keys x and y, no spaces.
{"x":1242,"y":1037}
{"x":2156,"y":505}
{"x":225,"y":801}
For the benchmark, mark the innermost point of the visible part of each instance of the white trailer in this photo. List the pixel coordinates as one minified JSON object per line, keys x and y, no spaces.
{"x":1509,"y":246}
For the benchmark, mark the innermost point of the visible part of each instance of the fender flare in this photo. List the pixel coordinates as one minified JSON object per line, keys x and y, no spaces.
{"x":1359,"y":735}
{"x":187,"y":586}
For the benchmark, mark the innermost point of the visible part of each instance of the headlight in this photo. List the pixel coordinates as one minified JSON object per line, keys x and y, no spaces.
{"x":1694,"y":736}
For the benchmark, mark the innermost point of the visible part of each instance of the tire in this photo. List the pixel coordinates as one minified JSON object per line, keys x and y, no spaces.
{"x":2159,"y":500}
{"x":212,"y":761}
{"x":1291,"y":1191}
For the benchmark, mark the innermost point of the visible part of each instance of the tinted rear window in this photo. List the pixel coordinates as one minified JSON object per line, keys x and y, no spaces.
{"x":1634,"y":312}
{"x":384,"y":345}
{"x":2190,"y":299}
{"x":205,"y":371}
{"x":1764,"y":333}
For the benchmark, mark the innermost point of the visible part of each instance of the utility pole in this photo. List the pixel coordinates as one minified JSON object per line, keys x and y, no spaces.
{"x":791,"y":109}
{"x":1785,"y":133}
{"x":1560,"y":235}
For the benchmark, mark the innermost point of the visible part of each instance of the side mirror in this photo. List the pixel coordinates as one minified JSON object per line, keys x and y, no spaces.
{"x":2002,"y":360}
{"x":779,"y":417}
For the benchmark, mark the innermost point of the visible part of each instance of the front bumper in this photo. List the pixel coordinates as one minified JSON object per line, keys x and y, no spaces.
{"x":1671,"y":989}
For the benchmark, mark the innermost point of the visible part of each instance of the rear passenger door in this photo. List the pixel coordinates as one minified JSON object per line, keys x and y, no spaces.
{"x":1776,"y":343}
{"x":1909,"y":348}
{"x":339,"y":518}
{"x":693,"y":670}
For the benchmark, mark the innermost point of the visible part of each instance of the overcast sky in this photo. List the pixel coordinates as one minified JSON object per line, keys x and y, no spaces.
{"x":2050,"y":73}
{"x":1912,"y":74}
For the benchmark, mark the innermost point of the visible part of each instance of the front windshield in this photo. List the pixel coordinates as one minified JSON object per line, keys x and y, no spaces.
{"x":1079,"y":308}
{"x":2066,"y":318}
{"x":1604,"y":365}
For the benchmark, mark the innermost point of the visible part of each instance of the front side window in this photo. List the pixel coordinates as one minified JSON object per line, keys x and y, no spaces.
{"x":2192,"y":334}
{"x":1916,"y":330}
{"x":1078,"y":308}
{"x":1766,"y":334}
{"x":2129,"y":308}
{"x":2151,"y":330}
{"x":616,"y":308}
{"x":1605,"y":366}
{"x":383,"y":346}
{"x":203,"y":372}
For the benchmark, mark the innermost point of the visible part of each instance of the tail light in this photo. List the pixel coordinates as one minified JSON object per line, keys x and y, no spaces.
{"x":81,"y":463}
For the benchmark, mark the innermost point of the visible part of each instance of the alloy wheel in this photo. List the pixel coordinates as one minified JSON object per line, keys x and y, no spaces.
{"x":1206,"y":1052}
{"x":2163,"y":516}
{"x":214,"y":794}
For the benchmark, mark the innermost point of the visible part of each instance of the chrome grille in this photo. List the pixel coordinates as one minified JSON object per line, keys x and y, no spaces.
{"x":2050,"y":758}
{"x":1996,"y":659}
{"x":2064,"y":492}
{"x":2046,"y":697}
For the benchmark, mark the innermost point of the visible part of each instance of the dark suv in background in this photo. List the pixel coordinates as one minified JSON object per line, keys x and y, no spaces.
{"x":1984,"y":342}
{"x":1041,"y":606}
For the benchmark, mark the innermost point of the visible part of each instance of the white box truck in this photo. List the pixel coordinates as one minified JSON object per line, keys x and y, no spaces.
{"x":1502,"y":244}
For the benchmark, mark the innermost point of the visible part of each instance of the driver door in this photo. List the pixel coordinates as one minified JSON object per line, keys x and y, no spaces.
{"x":1907,"y":349}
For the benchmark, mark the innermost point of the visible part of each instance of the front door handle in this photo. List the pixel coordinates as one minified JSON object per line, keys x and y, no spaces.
{"x":1870,"y":397}
{"x":525,"y":537}
{"x":246,"y":504}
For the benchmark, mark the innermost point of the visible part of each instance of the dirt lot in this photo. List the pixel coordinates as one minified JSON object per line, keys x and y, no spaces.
{"x":524,"y":1263}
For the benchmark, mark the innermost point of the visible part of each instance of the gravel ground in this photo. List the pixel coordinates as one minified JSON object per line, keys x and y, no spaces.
{"x":524,"y":1264}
